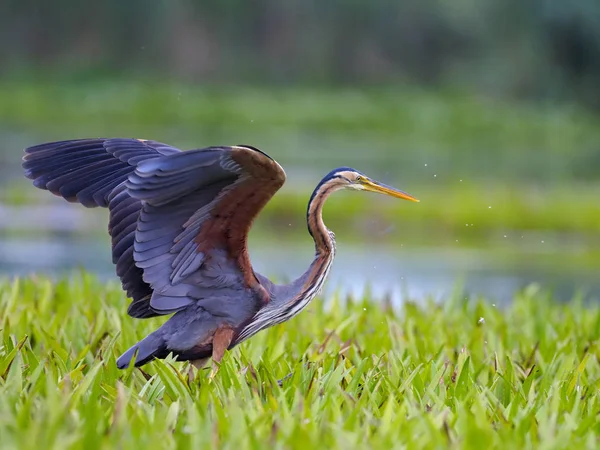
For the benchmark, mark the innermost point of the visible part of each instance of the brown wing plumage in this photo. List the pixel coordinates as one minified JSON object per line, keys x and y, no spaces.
{"x":197,"y":209}
{"x":237,"y":208}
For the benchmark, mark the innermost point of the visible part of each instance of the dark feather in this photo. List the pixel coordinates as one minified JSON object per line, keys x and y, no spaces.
{"x":92,"y":172}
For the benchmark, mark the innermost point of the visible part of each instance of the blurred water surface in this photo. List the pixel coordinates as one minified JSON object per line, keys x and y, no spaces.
{"x":383,"y":271}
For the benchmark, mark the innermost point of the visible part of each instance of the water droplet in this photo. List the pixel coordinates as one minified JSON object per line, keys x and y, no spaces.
{"x":481,"y":320}
{"x":425,"y":165}
{"x":490,"y":207}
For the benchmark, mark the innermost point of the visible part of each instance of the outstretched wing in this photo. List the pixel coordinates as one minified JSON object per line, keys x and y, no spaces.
{"x":87,"y":170}
{"x":197,"y":210}
{"x":92,"y":172}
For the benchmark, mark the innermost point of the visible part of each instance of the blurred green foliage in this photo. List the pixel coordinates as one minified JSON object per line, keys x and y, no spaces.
{"x":416,"y":133}
{"x":483,"y":169}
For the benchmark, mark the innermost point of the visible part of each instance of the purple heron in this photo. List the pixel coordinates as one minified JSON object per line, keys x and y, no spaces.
{"x":179,"y":223}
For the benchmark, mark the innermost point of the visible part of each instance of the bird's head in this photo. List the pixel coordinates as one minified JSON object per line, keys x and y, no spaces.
{"x":348,"y":178}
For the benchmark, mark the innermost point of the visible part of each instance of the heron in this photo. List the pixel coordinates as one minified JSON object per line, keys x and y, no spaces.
{"x":179,"y":223}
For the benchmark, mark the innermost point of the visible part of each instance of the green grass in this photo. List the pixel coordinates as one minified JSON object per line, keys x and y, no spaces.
{"x":362,"y":376}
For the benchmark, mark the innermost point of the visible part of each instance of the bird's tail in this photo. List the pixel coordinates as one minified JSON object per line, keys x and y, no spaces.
{"x":151,"y":347}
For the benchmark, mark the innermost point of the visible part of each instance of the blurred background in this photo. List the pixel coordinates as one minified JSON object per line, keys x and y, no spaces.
{"x":486,"y":110}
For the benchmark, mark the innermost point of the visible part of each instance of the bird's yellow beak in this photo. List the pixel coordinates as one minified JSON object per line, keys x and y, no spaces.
{"x":375,"y":186}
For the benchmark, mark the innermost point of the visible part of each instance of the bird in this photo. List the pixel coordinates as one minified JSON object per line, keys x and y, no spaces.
{"x":179,"y":223}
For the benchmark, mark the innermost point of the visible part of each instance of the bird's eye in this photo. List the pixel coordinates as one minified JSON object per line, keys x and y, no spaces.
{"x":359,"y":178}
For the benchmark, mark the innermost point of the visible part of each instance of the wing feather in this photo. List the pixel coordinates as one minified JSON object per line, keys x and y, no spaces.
{"x":197,"y":208}
{"x":92,"y":172}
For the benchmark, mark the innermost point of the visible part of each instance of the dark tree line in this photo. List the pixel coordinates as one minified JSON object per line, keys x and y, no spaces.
{"x":541,"y":49}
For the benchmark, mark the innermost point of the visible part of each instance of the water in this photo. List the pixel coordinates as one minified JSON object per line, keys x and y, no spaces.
{"x":395,"y":273}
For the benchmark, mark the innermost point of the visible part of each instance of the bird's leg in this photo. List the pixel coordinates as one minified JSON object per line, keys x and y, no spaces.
{"x":198,"y":364}
{"x":221,"y":341}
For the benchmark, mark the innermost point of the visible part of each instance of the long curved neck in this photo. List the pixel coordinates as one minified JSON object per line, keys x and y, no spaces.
{"x":311,"y":281}
{"x":324,"y":241}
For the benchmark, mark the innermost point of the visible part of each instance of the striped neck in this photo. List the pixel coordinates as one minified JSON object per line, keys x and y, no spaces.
{"x":324,"y":238}
{"x":299,"y":293}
